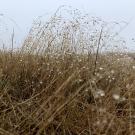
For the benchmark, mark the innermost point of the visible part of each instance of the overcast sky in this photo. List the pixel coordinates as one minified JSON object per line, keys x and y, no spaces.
{"x":24,"y":11}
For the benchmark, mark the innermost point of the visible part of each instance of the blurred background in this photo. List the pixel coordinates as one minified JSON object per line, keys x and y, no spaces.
{"x":16,"y":17}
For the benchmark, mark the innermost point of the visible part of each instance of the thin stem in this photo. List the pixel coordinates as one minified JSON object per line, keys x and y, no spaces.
{"x":97,"y":52}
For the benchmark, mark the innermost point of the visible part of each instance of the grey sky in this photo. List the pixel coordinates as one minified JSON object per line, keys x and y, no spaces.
{"x":24,"y":11}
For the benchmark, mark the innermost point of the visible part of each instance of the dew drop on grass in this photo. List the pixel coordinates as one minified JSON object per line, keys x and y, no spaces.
{"x":93,"y":81}
{"x":80,"y":80}
{"x":60,"y":73}
{"x":100,"y":68}
{"x":99,"y":93}
{"x":116,"y":96}
{"x":86,"y":90}
{"x":97,"y":74}
{"x":133,"y":67}
{"x":123,"y":99}
{"x":112,"y":72}
{"x":41,"y":82}
{"x":100,"y":76}
{"x":102,"y":94}
{"x":84,"y":67}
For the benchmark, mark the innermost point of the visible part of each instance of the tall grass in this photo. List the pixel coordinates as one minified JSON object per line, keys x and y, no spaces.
{"x":67,"y":79}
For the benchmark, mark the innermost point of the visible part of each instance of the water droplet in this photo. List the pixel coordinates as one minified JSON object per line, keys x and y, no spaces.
{"x":99,"y":93}
{"x":116,"y":96}
{"x":41,"y":82}
{"x":133,"y":67}
{"x":86,"y":90}
{"x":100,"y":68}
{"x":112,"y":71}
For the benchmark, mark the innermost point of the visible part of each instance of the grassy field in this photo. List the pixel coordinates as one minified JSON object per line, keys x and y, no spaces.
{"x":61,"y":83}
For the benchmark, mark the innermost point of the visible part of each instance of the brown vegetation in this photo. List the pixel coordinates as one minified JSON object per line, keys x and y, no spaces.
{"x":61,"y":83}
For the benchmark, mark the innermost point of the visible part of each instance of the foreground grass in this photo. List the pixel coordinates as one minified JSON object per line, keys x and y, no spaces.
{"x":62,"y":95}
